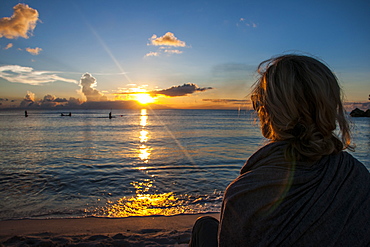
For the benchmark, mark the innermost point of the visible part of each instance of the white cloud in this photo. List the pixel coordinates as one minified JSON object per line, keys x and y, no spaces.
{"x":34,"y":51}
{"x":152,"y":54}
{"x":20,"y":24}
{"x":88,"y":84}
{"x":173,"y":51}
{"x":27,"y":75}
{"x":243,"y":22}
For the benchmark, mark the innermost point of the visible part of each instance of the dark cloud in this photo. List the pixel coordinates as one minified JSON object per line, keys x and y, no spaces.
{"x":51,"y":101}
{"x":60,"y":100}
{"x":74,"y":101}
{"x":175,"y":91}
{"x":48,"y":101}
{"x":229,"y":101}
{"x":129,"y":104}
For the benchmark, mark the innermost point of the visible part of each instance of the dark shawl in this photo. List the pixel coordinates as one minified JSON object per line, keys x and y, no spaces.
{"x":279,"y":203}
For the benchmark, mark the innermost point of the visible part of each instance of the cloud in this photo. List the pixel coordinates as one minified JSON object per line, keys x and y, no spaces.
{"x":173,"y":51}
{"x":29,"y":100}
{"x":87,"y":83}
{"x":229,"y":101}
{"x":74,"y":101}
{"x":175,"y":91}
{"x":165,"y":43}
{"x":48,"y":101}
{"x":20,"y":24}
{"x":26,"y":75}
{"x":152,"y":54}
{"x":168,"y":39}
{"x":34,"y":51}
{"x":244,"y":23}
{"x":8,"y":46}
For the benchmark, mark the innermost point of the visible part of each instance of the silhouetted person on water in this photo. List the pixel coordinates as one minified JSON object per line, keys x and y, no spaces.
{"x":25,"y":114}
{"x":300,"y":189}
{"x":110,"y":115}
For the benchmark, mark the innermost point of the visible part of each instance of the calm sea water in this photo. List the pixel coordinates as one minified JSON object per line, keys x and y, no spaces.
{"x":141,"y":162}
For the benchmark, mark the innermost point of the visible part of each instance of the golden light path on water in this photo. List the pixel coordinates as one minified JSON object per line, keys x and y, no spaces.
{"x":144,"y":151}
{"x":144,"y":203}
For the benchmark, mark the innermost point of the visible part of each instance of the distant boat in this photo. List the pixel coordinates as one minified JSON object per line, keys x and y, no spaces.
{"x":66,"y":114}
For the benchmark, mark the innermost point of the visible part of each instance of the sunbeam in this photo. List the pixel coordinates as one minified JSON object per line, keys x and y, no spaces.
{"x":106,"y":48}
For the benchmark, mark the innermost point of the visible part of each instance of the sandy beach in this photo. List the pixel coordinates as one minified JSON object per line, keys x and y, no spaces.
{"x":131,"y":231}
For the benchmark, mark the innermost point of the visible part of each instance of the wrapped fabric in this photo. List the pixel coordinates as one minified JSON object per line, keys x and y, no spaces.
{"x":278,"y":203}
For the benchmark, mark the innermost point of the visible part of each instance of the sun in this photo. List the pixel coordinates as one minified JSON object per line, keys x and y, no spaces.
{"x":144,"y":98}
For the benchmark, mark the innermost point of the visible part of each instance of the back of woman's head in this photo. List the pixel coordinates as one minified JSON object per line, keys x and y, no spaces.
{"x":298,"y":100}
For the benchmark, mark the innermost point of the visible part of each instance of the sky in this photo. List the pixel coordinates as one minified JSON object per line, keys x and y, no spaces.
{"x":179,"y":54}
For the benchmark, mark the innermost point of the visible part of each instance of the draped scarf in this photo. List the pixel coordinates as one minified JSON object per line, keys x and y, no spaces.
{"x":278,"y":203}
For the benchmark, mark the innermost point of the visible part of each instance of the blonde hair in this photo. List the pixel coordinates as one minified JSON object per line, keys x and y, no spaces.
{"x":298,"y":100}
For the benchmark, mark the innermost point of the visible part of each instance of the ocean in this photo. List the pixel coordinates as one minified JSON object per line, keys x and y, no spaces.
{"x":137,"y":163}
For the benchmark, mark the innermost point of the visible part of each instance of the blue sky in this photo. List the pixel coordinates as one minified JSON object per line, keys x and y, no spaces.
{"x":213,"y":47}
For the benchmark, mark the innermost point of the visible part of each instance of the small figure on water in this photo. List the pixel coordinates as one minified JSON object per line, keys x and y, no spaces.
{"x":25,"y":114}
{"x":66,"y":115}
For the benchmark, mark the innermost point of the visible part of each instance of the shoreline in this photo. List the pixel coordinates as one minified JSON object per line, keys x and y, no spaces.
{"x":131,"y":231}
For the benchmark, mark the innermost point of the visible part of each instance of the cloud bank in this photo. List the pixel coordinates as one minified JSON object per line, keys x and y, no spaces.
{"x":49,"y":101}
{"x":27,"y":75}
{"x":175,"y":91}
{"x":20,"y":24}
{"x":229,"y":101}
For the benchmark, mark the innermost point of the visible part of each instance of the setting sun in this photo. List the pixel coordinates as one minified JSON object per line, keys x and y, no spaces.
{"x":144,"y":98}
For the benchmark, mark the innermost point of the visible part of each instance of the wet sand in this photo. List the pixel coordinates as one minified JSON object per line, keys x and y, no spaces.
{"x":131,"y":231}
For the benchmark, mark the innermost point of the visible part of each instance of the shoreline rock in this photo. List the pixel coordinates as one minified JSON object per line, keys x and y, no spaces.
{"x":360,"y":113}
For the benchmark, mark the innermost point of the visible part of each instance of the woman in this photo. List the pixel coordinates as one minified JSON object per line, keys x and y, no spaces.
{"x":301,"y":189}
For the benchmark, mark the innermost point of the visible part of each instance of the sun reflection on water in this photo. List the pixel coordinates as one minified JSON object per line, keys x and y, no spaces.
{"x":144,"y":150}
{"x":146,"y":199}
{"x":145,"y":203}
{"x":143,"y":136}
